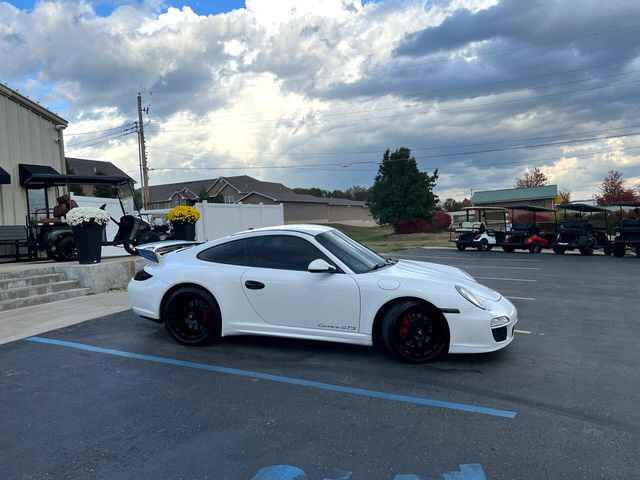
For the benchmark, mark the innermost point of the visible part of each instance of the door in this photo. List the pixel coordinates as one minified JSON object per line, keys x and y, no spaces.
{"x":283,"y":292}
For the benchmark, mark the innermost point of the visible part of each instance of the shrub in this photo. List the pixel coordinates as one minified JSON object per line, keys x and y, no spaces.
{"x":417,"y":225}
{"x":441,"y":220}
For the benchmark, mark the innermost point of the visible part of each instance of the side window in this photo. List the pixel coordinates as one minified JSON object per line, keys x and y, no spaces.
{"x":230,"y":253}
{"x":285,"y":252}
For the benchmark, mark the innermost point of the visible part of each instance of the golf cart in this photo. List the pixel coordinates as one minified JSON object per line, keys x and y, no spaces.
{"x":49,"y":233}
{"x":483,"y":228}
{"x":628,"y":231}
{"x":583,"y":233}
{"x":530,"y":235}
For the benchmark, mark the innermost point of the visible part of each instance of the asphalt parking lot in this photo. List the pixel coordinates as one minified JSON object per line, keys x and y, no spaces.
{"x":118,"y":398}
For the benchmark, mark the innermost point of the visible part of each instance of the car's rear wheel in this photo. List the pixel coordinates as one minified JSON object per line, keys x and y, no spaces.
{"x":415,"y":333}
{"x":535,"y":247}
{"x":192,"y":316}
{"x":619,"y":249}
{"x":460,"y":247}
{"x":558,"y":250}
{"x":508,"y":249}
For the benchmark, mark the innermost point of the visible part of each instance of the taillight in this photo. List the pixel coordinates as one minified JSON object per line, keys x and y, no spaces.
{"x":142,"y":275}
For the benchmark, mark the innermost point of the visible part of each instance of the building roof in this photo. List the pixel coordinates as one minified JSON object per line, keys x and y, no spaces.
{"x":35,"y":107}
{"x":246,"y":184}
{"x":83,"y":166}
{"x":514,"y":194}
{"x":188,"y":190}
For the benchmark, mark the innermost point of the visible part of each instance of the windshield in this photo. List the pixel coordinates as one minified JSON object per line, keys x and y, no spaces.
{"x":353,"y":254}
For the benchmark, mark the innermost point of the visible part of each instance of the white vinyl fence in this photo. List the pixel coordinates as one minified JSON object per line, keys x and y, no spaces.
{"x":113,"y":208}
{"x":221,"y":219}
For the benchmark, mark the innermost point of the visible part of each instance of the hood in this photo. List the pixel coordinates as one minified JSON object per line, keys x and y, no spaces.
{"x":410,"y":269}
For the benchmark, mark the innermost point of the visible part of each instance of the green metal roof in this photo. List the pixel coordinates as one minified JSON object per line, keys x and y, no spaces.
{"x":514,"y":194}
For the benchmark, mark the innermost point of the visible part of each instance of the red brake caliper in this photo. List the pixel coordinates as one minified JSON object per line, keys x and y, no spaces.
{"x":405,"y":323}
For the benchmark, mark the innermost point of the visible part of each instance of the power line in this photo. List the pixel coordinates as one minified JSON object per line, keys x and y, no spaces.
{"x":120,"y":135}
{"x":128,"y":129}
{"x":436,"y":110}
{"x":100,"y":131}
{"x":377,"y":151}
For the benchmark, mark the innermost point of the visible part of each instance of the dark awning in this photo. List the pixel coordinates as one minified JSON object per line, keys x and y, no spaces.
{"x":581,"y":207}
{"x":5,"y":178}
{"x":40,"y":176}
{"x":529,"y":208}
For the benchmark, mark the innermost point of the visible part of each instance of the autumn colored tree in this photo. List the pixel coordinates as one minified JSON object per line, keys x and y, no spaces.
{"x":532,"y":178}
{"x":565,"y":195}
{"x":614,"y":189}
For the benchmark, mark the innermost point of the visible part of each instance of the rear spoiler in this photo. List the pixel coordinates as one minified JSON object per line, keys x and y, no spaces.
{"x":153,"y":252}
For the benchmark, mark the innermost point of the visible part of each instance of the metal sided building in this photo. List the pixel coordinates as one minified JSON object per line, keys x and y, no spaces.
{"x":29,"y":134}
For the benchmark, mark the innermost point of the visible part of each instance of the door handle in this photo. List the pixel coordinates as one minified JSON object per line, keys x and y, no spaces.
{"x":253,"y":285}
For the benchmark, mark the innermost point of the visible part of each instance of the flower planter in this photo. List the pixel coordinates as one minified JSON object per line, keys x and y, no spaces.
{"x":88,"y":240}
{"x":184,"y":230}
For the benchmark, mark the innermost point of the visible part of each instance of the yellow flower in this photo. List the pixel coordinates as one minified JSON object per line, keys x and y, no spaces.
{"x":183,"y":214}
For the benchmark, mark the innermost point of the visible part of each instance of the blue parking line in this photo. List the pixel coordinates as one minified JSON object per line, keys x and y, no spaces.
{"x":282,"y":379}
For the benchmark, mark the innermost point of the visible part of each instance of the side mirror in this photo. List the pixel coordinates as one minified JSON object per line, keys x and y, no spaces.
{"x":320,"y":266}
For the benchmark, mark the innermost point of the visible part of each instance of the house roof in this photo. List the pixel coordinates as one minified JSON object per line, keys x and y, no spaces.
{"x":83,"y":166}
{"x":246,"y":184}
{"x":188,"y":190}
{"x":31,"y":105}
{"x":514,"y":194}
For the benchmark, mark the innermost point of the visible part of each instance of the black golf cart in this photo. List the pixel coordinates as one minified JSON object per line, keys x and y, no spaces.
{"x":484,"y":227}
{"x":584,"y":233}
{"x":54,"y":236}
{"x":628,"y":231}
{"x":530,"y":235}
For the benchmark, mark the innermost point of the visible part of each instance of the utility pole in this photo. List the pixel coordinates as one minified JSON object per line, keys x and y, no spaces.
{"x":142,"y":152}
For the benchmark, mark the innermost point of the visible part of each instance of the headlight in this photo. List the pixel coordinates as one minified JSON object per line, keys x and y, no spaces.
{"x":471,"y":298}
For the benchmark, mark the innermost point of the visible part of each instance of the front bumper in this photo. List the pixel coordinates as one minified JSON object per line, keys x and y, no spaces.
{"x":471,"y":330}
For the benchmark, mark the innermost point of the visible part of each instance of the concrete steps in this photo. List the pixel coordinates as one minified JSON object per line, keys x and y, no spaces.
{"x":36,"y":286}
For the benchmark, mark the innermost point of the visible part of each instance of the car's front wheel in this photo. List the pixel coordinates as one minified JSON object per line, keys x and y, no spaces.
{"x":192,"y":316}
{"x":415,"y":333}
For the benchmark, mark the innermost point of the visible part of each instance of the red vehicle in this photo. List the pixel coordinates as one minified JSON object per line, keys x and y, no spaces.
{"x":529,"y":234}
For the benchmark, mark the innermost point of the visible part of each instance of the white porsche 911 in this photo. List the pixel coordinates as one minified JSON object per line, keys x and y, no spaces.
{"x":314,"y":282}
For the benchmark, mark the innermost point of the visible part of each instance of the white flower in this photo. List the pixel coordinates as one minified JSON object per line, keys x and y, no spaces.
{"x":79,"y":215}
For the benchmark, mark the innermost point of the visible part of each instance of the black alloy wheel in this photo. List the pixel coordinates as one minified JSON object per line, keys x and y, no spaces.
{"x":192,"y":316}
{"x":619,"y":249}
{"x":65,"y":250}
{"x":535,"y":247}
{"x":415,"y":333}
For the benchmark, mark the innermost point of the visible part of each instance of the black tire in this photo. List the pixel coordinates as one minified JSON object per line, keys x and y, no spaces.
{"x":587,"y":249}
{"x":535,"y":247}
{"x":50,"y":254}
{"x":415,"y":333}
{"x":460,"y":247}
{"x":130,"y":248}
{"x":192,"y":316}
{"x":508,"y":249}
{"x":619,"y":249}
{"x":607,"y":250}
{"x":559,"y":250}
{"x":148,"y":237}
{"x":484,"y":246}
{"x":637,"y":251}
{"x":65,"y":250}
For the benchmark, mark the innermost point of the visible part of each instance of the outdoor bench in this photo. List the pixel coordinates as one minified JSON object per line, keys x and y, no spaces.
{"x":15,"y":236}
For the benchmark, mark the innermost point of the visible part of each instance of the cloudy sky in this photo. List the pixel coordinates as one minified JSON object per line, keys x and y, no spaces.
{"x":312,"y":93}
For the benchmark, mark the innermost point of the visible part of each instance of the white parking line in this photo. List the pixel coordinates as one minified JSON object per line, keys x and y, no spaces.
{"x":520,"y":298}
{"x":507,"y":279}
{"x":526,"y":332}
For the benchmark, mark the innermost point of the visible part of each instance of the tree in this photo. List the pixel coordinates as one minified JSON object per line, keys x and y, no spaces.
{"x":104,"y":190}
{"x":451,"y":205}
{"x":401,"y":192}
{"x":533,"y":178}
{"x":613,"y":189}
{"x":358,"y":193}
{"x":565,"y":196}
